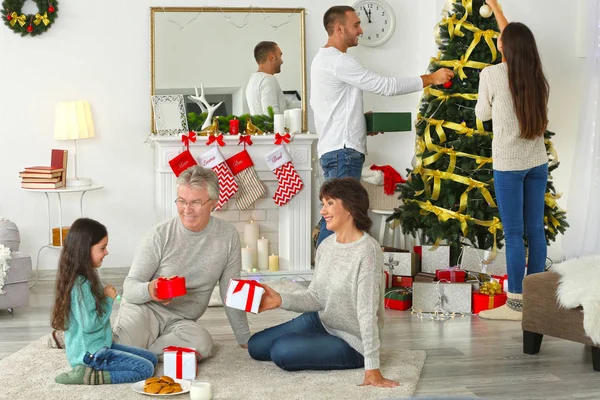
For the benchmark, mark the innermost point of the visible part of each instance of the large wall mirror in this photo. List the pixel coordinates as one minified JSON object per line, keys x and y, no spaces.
{"x":214,"y":47}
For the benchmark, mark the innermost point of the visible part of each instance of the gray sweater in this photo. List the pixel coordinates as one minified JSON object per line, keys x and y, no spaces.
{"x":203,"y":258}
{"x":347,"y":290}
{"x":509,"y":151}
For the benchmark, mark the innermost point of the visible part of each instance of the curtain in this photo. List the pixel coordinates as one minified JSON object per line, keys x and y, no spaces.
{"x":583,"y":237}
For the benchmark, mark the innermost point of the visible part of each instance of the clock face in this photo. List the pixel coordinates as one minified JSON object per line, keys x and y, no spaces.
{"x":377,"y":20}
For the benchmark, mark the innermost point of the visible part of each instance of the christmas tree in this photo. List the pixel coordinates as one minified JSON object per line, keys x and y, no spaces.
{"x":449,"y":195}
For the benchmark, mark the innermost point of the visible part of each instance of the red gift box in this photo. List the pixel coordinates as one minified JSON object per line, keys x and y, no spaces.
{"x":450,"y":275}
{"x":487,"y":302}
{"x":167,"y":288}
{"x":388,"y":279}
{"x":397,"y":299}
{"x":402,"y":281}
{"x":400,"y":305}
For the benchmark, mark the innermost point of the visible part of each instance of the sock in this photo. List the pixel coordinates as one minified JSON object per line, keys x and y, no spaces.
{"x":511,"y":311}
{"x":57,"y":340}
{"x":227,"y":184}
{"x":251,"y":188}
{"x":290,"y":183}
{"x":83,"y":375}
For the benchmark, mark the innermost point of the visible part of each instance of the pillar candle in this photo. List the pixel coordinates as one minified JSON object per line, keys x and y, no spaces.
{"x":263,"y":253}
{"x":286,"y":119}
{"x":279,"y":124}
{"x":246,"y":258}
{"x":234,"y":126}
{"x":250,"y":239}
{"x":273,"y":263}
{"x":295,"y":120}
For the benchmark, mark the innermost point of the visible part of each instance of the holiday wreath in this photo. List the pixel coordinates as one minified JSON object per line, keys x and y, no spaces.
{"x":29,"y":24}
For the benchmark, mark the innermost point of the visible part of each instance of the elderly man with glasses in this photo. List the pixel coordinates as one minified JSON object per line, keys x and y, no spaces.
{"x":203,"y":249}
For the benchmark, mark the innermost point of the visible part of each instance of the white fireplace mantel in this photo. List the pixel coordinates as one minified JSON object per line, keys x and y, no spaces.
{"x":294,"y":218}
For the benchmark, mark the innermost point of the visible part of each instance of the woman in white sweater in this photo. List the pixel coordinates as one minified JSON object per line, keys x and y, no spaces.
{"x":342,"y":321}
{"x":514,"y":94}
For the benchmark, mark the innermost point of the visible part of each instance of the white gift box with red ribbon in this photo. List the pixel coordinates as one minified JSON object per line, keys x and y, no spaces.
{"x":180,"y":362}
{"x":244,"y":295}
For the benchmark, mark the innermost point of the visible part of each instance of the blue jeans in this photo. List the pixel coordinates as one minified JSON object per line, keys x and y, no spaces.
{"x":339,"y":164}
{"x":123,"y":363}
{"x":303,"y":344}
{"x":520,"y":196}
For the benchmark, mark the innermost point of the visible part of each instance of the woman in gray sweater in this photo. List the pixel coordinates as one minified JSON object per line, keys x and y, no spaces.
{"x":343,"y":313}
{"x":514,"y":94}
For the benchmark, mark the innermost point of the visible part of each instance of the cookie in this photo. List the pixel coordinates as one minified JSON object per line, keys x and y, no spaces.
{"x":151,"y":380}
{"x":176,"y":389}
{"x":153,"y":388}
{"x":166,"y":390}
{"x":167,"y":379}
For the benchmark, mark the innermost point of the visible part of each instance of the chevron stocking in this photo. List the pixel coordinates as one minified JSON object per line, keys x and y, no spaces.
{"x":290,"y":183}
{"x":227,"y":185}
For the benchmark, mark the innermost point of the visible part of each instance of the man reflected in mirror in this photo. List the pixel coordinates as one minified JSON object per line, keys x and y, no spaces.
{"x":338,"y":81}
{"x":263,"y":89}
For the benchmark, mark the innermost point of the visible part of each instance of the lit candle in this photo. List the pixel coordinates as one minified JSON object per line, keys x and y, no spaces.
{"x":279,"y":124}
{"x":286,"y":119}
{"x":250,"y":239}
{"x":234,"y":126}
{"x":273,"y":263}
{"x":247,"y":258}
{"x":263,"y":253}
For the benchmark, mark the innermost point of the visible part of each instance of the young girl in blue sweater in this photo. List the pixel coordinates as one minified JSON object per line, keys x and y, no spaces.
{"x":82,"y":308}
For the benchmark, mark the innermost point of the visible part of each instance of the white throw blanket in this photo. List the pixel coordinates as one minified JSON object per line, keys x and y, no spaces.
{"x":580,"y":286}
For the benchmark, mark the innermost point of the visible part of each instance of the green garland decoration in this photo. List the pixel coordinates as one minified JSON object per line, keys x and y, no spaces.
{"x":262,"y":122}
{"x":29,"y":24}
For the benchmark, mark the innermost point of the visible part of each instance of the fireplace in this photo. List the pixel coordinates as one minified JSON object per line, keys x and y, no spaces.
{"x":291,"y":225}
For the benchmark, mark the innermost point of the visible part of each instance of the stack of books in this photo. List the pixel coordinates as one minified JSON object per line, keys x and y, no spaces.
{"x":43,"y":177}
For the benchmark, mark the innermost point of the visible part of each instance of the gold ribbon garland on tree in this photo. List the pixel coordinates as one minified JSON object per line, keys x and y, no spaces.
{"x":30,"y":24}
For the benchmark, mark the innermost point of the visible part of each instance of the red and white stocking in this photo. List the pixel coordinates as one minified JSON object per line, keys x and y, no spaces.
{"x":227,"y":185}
{"x":251,"y":188}
{"x":280,"y":162}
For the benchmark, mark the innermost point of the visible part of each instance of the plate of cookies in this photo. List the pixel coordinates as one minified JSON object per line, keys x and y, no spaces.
{"x":162,"y":386}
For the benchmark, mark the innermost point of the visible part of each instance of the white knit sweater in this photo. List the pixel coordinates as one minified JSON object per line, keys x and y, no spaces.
{"x":509,"y":151}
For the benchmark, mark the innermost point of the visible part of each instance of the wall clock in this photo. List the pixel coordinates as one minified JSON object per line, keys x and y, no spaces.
{"x":377,"y":20}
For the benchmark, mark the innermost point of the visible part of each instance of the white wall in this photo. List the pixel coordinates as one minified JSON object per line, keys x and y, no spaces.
{"x":102,"y":55}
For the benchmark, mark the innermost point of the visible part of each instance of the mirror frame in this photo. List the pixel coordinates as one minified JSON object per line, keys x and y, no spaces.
{"x":301,"y":11}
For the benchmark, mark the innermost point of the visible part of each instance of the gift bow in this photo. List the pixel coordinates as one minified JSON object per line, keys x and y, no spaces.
{"x":190,"y":137}
{"x":246,"y":139}
{"x":490,"y":288}
{"x":216,"y":138}
{"x":282,"y":138}
{"x":179,"y":362}
{"x":41,"y":18}
{"x":17,"y":18}
{"x":253,"y":286}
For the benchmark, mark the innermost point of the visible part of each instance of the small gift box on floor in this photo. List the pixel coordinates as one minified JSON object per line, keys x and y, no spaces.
{"x":397,"y":299}
{"x":401,"y":262}
{"x":440,"y":296}
{"x":244,"y":295}
{"x":424,"y":277}
{"x":488,"y":296}
{"x":180,"y":362}
{"x":451,"y":275}
{"x":433,"y":258}
{"x":402,"y":281}
{"x":476,"y":260}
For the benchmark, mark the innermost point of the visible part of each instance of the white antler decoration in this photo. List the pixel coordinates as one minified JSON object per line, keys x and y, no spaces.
{"x":204,"y":106}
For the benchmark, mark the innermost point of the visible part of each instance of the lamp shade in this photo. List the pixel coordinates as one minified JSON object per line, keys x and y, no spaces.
{"x":73,"y":120}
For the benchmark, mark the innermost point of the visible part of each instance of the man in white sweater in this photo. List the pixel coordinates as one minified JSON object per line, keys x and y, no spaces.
{"x":203,"y":249}
{"x":337,"y":84}
{"x":263,"y":89}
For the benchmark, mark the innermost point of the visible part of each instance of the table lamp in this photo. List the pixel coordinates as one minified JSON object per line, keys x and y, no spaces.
{"x":73,"y":121}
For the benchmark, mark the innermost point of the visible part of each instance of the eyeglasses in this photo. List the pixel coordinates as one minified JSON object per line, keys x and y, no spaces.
{"x":196,"y":204}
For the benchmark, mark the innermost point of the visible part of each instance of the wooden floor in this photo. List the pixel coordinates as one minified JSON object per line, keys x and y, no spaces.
{"x":465,"y":356}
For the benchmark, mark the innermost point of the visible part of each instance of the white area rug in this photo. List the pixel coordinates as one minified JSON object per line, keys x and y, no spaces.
{"x":29,"y":374}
